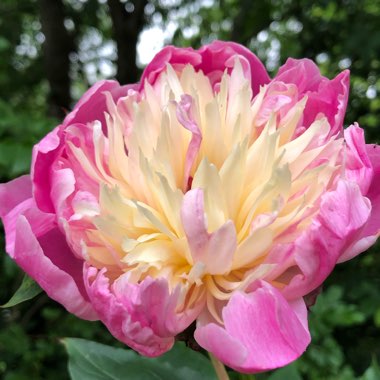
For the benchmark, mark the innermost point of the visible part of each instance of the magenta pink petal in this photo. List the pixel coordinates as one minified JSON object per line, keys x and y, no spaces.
{"x":358,"y":165}
{"x":371,"y":231}
{"x":343,"y":215}
{"x":212,"y":59}
{"x":327,"y":97}
{"x":330,"y":100}
{"x":62,"y":279}
{"x":262,"y":331}
{"x":18,"y":195}
{"x":170,"y":54}
{"x":304,"y":73}
{"x":220,"y":55}
{"x":143,"y":316}
{"x":13,"y":193}
{"x":92,"y":104}
{"x":44,"y":155}
{"x":373,"y":193}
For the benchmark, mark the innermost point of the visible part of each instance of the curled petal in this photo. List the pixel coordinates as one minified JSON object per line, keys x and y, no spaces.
{"x":328,"y":97}
{"x":373,"y":193}
{"x":91,"y":106}
{"x":357,"y":163}
{"x":343,"y":214}
{"x":185,"y":117}
{"x":143,"y":316}
{"x":220,"y":55}
{"x":215,"y":250}
{"x":371,"y":231}
{"x":16,"y":199}
{"x":44,"y":155}
{"x":51,"y":263}
{"x":40,"y":249}
{"x":212,"y":59}
{"x":262,"y":331}
{"x":178,"y":58}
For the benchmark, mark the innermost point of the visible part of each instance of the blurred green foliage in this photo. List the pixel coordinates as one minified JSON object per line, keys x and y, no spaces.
{"x":345,"y":322}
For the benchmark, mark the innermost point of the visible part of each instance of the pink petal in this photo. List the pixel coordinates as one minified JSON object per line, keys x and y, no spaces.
{"x":185,"y":117}
{"x":143,"y":315}
{"x":325,"y":96}
{"x":373,"y":194}
{"x":92,"y":103}
{"x":91,"y":106}
{"x":358,"y":165}
{"x":262,"y":331}
{"x":193,"y":221}
{"x":220,"y":55}
{"x":177,"y":57}
{"x":344,"y":211}
{"x":212,"y":59}
{"x":15,"y":200}
{"x":40,"y":249}
{"x":343,"y":214}
{"x":51,"y":263}
{"x":371,"y":231}
{"x":44,"y":155}
{"x":62,"y":186}
{"x":215,"y":250}
{"x":13,"y":193}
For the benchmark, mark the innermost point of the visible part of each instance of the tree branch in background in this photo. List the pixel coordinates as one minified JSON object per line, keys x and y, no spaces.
{"x":56,"y":49}
{"x":126,"y":29}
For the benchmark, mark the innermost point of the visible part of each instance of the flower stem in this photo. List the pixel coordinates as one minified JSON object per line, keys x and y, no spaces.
{"x":219,"y":368}
{"x":243,"y":376}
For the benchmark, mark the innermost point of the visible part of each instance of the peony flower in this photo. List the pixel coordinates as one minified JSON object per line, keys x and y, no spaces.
{"x":207,"y":192}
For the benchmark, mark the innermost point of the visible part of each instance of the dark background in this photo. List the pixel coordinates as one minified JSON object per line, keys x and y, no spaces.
{"x":52,"y":50}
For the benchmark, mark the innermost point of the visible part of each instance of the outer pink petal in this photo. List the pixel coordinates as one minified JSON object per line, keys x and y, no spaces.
{"x":59,"y":275}
{"x":371,"y":231}
{"x":177,"y":57}
{"x":212,"y":59}
{"x":15,"y":200}
{"x":44,"y":155}
{"x":358,"y":167}
{"x":373,"y":194}
{"x":143,"y":316}
{"x":324,"y":96}
{"x":220,"y":55}
{"x":343,"y":215}
{"x":91,"y":106}
{"x":13,"y":193}
{"x":304,"y":73}
{"x":40,"y":249}
{"x":262,"y":331}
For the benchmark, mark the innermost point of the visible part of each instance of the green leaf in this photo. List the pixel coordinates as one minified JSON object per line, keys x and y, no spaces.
{"x":286,"y":373}
{"x":372,"y":373}
{"x":4,"y":44}
{"x":27,"y":290}
{"x":94,"y":361}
